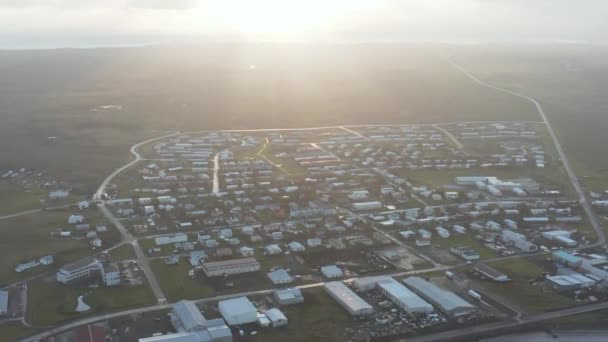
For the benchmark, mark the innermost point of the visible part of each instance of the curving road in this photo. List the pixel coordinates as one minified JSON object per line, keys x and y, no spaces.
{"x":601,"y":234}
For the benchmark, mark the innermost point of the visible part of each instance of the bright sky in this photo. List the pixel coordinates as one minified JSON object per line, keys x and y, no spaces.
{"x":61,"y":23}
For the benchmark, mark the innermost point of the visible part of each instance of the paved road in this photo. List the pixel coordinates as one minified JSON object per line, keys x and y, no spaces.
{"x":354,"y":132}
{"x":601,"y":234}
{"x":27,"y":212}
{"x":216,"y":171}
{"x":127,"y":237}
{"x":453,"y":138}
{"x":142,"y":259}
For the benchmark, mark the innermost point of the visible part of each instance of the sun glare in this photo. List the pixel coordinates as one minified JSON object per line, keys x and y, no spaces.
{"x":280,"y":18}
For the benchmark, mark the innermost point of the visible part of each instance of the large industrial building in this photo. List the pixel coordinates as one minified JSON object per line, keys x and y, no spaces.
{"x":237,"y":311}
{"x":368,"y":283}
{"x":348,"y":299}
{"x":236,"y":266}
{"x":590,"y":268}
{"x":403,"y":297}
{"x":191,"y":326}
{"x":446,"y":301}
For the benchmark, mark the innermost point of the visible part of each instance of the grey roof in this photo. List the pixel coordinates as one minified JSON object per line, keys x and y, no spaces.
{"x":236,"y":306}
{"x":275,"y":315}
{"x":331,"y":271}
{"x":279,"y":276}
{"x":447,"y":301}
{"x":219,"y":332}
{"x":346,"y":297}
{"x":401,"y":293}
{"x":3,"y":301}
{"x":290,"y":293}
{"x":189,"y":315}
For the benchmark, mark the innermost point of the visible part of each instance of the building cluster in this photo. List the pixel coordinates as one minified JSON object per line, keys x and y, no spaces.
{"x":577,"y":272}
{"x":414,"y":296}
{"x":87,"y":269}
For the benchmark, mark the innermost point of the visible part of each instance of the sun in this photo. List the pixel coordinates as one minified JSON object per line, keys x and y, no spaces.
{"x":279,"y":18}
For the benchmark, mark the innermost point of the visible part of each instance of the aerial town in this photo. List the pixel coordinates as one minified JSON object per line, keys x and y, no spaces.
{"x":346,"y":233}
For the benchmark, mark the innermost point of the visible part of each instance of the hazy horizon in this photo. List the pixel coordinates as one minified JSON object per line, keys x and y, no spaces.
{"x":47,"y":24}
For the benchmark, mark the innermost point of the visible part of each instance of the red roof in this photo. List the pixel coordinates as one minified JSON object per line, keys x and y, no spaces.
{"x":90,"y":333}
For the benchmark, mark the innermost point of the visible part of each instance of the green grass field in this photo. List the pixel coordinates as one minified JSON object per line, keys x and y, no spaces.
{"x":27,"y":237}
{"x":319,"y":318}
{"x":15,"y":200}
{"x":11,"y":332}
{"x":464,"y":240}
{"x":175,"y":282}
{"x":124,"y":252}
{"x":50,"y":302}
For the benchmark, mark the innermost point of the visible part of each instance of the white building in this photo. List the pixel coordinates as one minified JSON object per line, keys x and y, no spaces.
{"x":279,"y":276}
{"x":246,"y":251}
{"x":165,"y":240}
{"x":403,"y":297}
{"x":295,"y":247}
{"x":446,"y":301}
{"x":367,"y":205}
{"x":314,"y":242}
{"x":110,"y":274}
{"x":276,"y":317}
{"x":273,"y":249}
{"x":75,"y":219}
{"x":58,"y":194}
{"x":288,"y":296}
{"x":78,"y":270}
{"x":519,"y":241}
{"x":331,"y":271}
{"x":238,"y":311}
{"x":228,"y":267}
{"x":349,"y":300}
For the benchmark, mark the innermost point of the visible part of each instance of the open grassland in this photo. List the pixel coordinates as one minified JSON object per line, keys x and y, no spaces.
{"x":175,"y":282}
{"x":28,"y":237}
{"x":50,"y":302}
{"x":10,"y":332}
{"x":14,"y":199}
{"x":464,"y":240}
{"x":124,"y":252}
{"x":211,"y":87}
{"x":568,"y":81}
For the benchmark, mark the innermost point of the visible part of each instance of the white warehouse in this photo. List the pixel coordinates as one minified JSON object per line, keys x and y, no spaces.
{"x":237,"y":311}
{"x":403,"y":297}
{"x":349,"y":300}
{"x":448,"y":302}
